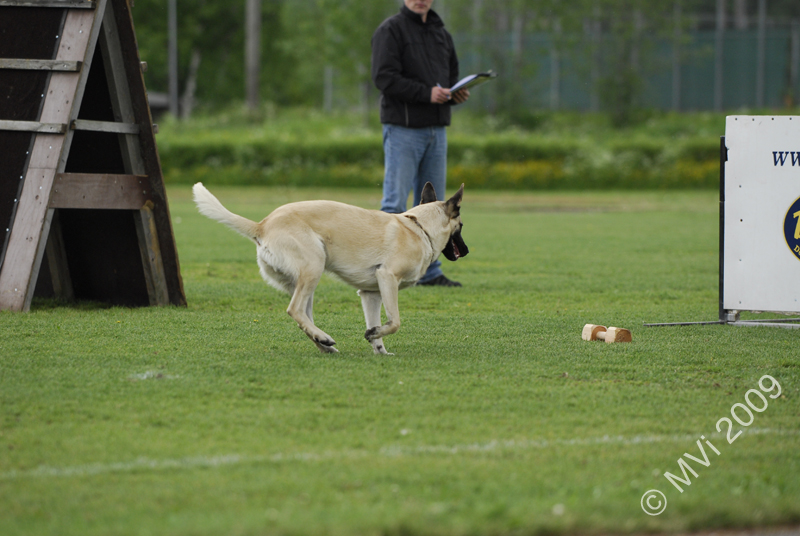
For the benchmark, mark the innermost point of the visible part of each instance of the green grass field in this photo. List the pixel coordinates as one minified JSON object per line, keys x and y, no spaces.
{"x":493,"y":417}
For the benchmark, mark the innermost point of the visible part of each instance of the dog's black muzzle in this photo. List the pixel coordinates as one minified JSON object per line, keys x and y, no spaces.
{"x":455,"y":247}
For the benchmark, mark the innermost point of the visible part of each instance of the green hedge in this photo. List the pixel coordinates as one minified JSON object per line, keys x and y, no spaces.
{"x":497,"y":161}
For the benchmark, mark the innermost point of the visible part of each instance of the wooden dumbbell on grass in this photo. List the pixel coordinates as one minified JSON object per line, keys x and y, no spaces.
{"x":592,"y":332}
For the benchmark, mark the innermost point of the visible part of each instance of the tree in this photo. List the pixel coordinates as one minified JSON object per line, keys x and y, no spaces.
{"x":212,"y":31}
{"x":331,"y":33}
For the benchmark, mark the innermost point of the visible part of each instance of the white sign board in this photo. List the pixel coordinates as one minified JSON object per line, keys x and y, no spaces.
{"x":761,"y":255}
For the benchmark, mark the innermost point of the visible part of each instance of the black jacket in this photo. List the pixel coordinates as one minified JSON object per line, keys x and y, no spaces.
{"x":409,"y":58}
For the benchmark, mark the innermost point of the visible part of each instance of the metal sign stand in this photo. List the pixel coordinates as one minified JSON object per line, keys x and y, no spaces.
{"x":727,"y":316}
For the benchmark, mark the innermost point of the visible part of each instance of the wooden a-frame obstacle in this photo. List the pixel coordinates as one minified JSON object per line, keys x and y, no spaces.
{"x":83,"y":210}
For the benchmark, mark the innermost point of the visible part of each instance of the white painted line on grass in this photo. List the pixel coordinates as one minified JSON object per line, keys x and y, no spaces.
{"x":147,"y":464}
{"x":527,"y":444}
{"x":393,"y":451}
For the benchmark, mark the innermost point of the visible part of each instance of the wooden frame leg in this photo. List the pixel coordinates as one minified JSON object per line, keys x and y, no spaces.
{"x":57,"y":261}
{"x":151,"y":255}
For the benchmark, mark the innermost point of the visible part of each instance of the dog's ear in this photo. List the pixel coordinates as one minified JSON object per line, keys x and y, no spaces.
{"x":453,"y":205}
{"x":428,"y":194}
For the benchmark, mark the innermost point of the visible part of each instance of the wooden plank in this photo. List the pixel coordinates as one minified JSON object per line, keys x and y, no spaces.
{"x":45,"y":153}
{"x":33,"y":126}
{"x":121,"y":101}
{"x":100,"y":191}
{"x":63,"y":92}
{"x":151,"y":256}
{"x":25,"y":249}
{"x":149,"y":154}
{"x":31,"y":228}
{"x":120,"y":90}
{"x":78,"y":42}
{"x":57,"y":262}
{"x":71,"y":4}
{"x":40,"y":65}
{"x":104,"y":126}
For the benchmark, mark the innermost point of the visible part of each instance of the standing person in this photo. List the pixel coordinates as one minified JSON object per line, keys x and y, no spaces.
{"x":413,"y":63}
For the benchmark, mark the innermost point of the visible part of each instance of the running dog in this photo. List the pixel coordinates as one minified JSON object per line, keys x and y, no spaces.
{"x":375,"y":252}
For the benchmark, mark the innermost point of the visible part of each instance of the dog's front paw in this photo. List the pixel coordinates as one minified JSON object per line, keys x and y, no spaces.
{"x":372,"y":333}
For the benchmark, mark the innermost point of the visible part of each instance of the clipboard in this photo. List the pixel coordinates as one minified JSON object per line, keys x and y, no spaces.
{"x":473,"y":80}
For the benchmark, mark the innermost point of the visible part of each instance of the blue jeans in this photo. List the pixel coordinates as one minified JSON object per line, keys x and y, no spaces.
{"x":412,"y":157}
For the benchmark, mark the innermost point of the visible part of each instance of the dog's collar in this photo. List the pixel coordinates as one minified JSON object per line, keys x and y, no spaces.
{"x":412,"y":218}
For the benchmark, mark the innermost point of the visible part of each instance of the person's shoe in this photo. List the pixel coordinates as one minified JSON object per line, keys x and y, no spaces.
{"x":440,"y":281}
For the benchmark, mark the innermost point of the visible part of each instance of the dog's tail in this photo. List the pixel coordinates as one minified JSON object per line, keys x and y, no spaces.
{"x":209,"y":206}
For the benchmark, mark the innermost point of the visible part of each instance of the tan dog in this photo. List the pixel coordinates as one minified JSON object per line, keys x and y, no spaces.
{"x":375,"y":252}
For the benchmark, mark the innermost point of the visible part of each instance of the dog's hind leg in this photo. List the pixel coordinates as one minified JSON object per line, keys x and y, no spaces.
{"x":300,"y":309}
{"x":310,"y":308}
{"x":371,"y":303}
{"x":310,"y":313}
{"x":389,"y":286}
{"x":297,"y":271}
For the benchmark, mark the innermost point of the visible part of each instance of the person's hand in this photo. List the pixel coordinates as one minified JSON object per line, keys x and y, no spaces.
{"x":460,"y":96}
{"x":439,"y":95}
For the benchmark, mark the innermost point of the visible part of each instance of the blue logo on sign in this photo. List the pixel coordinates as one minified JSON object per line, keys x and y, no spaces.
{"x":791,"y":228}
